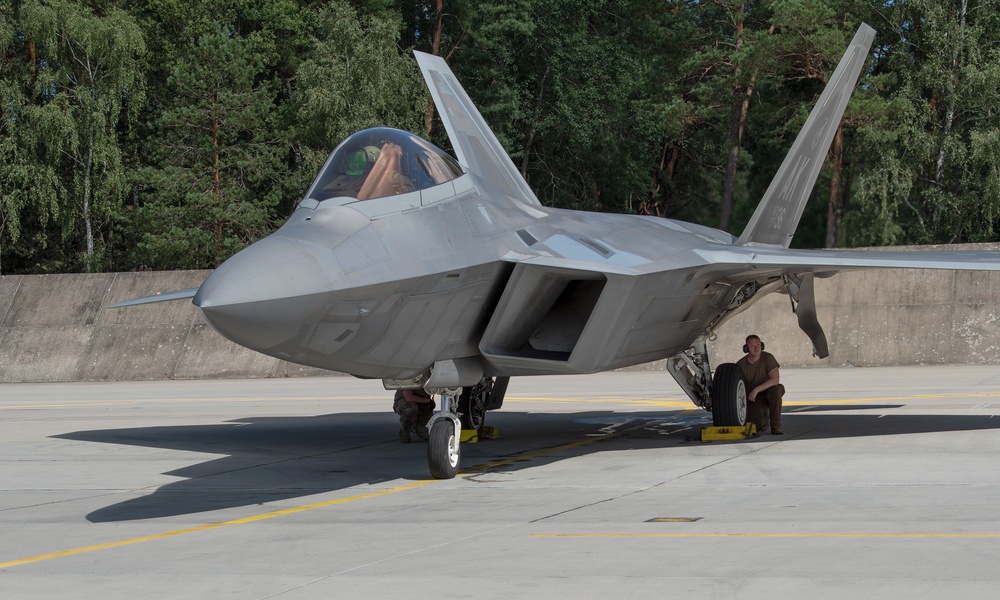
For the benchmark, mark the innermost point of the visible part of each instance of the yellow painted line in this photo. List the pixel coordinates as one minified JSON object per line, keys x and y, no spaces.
{"x":243,"y":521}
{"x":898,"y":398}
{"x":298,"y":509}
{"x":570,"y":445}
{"x":767,"y":535}
{"x":174,"y":401}
{"x":592,"y":400}
{"x":530,"y":455}
{"x":682,"y":403}
{"x":670,"y":402}
{"x":491,"y":465}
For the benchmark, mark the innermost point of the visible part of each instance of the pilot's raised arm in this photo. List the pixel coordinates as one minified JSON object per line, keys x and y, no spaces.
{"x":386,"y":177}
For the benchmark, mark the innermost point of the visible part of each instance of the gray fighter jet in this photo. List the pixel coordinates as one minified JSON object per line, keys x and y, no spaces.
{"x":404,"y":264}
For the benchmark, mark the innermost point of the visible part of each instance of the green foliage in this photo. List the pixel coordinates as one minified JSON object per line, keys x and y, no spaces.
{"x":558,"y":82}
{"x":166,"y":134}
{"x":80,"y":92}
{"x":929,"y":139}
{"x":355,"y":78}
{"x":242,"y":126}
{"x":212,"y":186}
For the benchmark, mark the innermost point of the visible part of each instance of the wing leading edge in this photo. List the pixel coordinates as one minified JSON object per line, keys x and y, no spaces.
{"x":778,"y":261}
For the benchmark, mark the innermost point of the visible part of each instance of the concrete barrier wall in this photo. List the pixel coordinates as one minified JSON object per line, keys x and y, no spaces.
{"x":56,"y":327}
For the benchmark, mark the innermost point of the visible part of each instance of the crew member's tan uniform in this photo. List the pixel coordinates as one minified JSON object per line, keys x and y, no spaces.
{"x":766,"y":411}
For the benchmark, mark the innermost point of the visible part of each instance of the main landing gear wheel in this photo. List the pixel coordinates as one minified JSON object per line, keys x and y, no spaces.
{"x":443,"y":453}
{"x":729,"y":396}
{"x":472,"y":404}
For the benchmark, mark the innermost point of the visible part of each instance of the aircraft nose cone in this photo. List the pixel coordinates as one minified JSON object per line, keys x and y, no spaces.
{"x":260,"y":297}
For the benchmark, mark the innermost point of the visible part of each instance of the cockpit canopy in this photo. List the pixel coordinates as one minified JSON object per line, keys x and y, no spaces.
{"x":382,"y":162}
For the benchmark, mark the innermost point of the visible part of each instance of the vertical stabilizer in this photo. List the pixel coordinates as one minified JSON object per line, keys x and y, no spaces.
{"x":775,"y":220}
{"x":475,"y":144}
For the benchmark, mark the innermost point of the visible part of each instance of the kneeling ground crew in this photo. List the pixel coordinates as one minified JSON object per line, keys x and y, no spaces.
{"x":764,"y":392}
{"x":414,"y":408}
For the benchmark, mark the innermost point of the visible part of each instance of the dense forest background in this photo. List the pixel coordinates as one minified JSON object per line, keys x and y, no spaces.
{"x":168,"y":134}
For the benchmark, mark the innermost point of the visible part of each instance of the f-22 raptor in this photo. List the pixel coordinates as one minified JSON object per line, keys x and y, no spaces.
{"x":404,"y":264}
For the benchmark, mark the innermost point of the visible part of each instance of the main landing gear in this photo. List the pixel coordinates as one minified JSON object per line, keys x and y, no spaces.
{"x":725,"y":394}
{"x":460,"y":409}
{"x":729,"y":396}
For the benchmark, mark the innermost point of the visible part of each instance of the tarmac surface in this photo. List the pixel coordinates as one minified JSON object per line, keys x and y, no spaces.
{"x":885,"y":484}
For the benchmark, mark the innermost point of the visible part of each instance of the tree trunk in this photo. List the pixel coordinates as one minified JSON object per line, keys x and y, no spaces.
{"x":734,"y":142}
{"x":530,"y":136}
{"x":436,"y":51}
{"x":216,"y":179}
{"x":86,"y":197}
{"x":737,"y":122}
{"x":668,"y":167}
{"x":33,"y":57}
{"x":949,"y":118}
{"x":3,"y":226}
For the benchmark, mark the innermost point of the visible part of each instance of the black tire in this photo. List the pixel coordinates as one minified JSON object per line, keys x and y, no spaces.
{"x":729,"y":396}
{"x":472,"y":404}
{"x":442,"y":461}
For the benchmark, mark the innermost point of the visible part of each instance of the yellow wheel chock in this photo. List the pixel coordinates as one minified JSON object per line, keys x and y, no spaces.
{"x":716,"y":434}
{"x":471,"y":436}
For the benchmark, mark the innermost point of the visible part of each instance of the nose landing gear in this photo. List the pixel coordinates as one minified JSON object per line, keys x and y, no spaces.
{"x":725,"y":394}
{"x":444,"y":450}
{"x":460,"y":410}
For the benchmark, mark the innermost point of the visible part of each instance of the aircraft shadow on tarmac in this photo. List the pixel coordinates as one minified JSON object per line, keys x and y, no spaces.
{"x":268,"y":459}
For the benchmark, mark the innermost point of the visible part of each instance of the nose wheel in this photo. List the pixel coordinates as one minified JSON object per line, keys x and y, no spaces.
{"x":443,"y":448}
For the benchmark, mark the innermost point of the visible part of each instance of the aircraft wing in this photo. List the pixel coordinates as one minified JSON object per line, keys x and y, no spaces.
{"x":766,"y":261}
{"x":742,"y":264}
{"x":475,"y":145}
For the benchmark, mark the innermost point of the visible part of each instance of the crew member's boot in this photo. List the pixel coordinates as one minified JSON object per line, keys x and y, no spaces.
{"x":424,"y":414}
{"x":774,"y":400}
{"x":407,"y":421}
{"x":757,"y":413}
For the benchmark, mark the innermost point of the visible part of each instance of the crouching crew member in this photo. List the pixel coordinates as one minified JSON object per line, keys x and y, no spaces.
{"x":764,"y":392}
{"x":415,"y":408}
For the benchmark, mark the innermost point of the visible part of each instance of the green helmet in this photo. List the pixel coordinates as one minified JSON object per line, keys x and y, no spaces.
{"x":357,"y":161}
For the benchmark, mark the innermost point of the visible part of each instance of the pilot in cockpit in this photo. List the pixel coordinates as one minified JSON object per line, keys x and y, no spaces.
{"x":385,"y":175}
{"x":381,"y":163}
